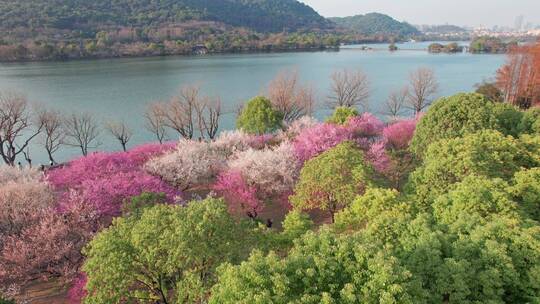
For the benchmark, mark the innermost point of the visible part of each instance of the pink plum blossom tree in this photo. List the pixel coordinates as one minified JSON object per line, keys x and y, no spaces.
{"x":399,"y":134}
{"x":241,"y":197}
{"x":318,"y":139}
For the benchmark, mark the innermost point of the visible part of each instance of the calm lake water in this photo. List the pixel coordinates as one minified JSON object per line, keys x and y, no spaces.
{"x":121,"y":88}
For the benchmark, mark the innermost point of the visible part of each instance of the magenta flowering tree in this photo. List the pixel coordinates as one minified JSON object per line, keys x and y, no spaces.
{"x":378,"y":157}
{"x":102,"y":165}
{"x":240,"y":197}
{"x":399,"y":134}
{"x":107,"y":195}
{"x":105,"y":180}
{"x":318,"y":139}
{"x":365,"y":126}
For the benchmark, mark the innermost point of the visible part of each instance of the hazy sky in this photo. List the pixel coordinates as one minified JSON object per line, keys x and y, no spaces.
{"x":458,"y":12}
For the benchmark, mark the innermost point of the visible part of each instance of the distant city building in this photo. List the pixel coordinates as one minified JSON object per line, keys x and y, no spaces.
{"x":519,"y":23}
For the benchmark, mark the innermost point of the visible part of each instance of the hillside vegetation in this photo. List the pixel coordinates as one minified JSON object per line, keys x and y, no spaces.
{"x":259,"y":15}
{"x":376,"y":24}
{"x":70,"y":29}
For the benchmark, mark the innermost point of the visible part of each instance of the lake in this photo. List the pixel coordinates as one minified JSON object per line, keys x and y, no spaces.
{"x":121,"y":88}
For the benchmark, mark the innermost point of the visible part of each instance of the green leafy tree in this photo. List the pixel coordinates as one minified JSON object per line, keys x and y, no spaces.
{"x":508,"y":118}
{"x":448,"y":161}
{"x":341,"y":115}
{"x":168,"y":255}
{"x":530,"y":123}
{"x":331,"y":180}
{"x":453,"y":117}
{"x":296,"y":224}
{"x":367,"y":207}
{"x":259,"y":117}
{"x":475,"y":200}
{"x":526,"y":190}
{"x":321,"y":268}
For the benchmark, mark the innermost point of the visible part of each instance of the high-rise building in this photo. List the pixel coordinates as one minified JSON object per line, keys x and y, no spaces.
{"x":518,"y":25}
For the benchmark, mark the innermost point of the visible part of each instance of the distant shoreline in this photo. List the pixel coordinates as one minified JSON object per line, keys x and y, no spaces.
{"x":85,"y":58}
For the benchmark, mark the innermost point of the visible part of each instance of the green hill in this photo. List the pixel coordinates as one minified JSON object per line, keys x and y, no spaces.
{"x":258,"y":15}
{"x":376,"y":24}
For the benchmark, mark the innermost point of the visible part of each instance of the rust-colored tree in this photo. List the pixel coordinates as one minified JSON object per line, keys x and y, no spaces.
{"x":519,"y":78}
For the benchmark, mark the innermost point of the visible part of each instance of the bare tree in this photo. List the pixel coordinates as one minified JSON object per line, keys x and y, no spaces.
{"x":53,"y":132}
{"x":189,"y":112}
{"x":27,"y":157}
{"x":155,"y":121}
{"x":289,"y":97}
{"x":349,"y":89}
{"x":121,"y":132}
{"x":423,"y":86}
{"x":17,"y":126}
{"x":81,"y":131}
{"x":179,"y":113}
{"x":395,"y":103}
{"x":208,"y":114}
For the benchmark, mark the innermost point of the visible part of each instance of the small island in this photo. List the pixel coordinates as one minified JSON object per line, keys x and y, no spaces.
{"x":441,"y":48}
{"x":490,"y":45}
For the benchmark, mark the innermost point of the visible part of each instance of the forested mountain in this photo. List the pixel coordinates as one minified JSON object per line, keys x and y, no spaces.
{"x":376,"y":24}
{"x":67,"y":29}
{"x":259,"y":15}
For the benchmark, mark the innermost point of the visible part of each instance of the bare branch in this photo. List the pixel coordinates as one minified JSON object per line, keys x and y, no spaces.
{"x":289,"y":97}
{"x":423,"y":86}
{"x":53,"y":132}
{"x":155,"y":121}
{"x":121,"y":132}
{"x":190,"y":111}
{"x":179,"y":114}
{"x":349,"y":89}
{"x":16,"y":126}
{"x":81,"y":131}
{"x":211,"y":120}
{"x":395,"y":103}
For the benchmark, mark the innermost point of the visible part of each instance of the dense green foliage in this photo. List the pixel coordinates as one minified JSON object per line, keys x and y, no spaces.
{"x":472,"y":242}
{"x":396,"y":256}
{"x":452,"y":117}
{"x":376,"y":24}
{"x":530,"y":123}
{"x":169,"y":248}
{"x":259,"y":117}
{"x":331,"y":180}
{"x":487,"y":153}
{"x":260,"y":15}
{"x":509,"y":118}
{"x":526,"y":189}
{"x":341,"y":115}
